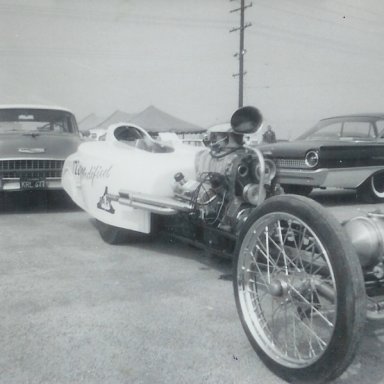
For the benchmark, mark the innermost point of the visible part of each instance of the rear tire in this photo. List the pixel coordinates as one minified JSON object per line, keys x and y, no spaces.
{"x":299,"y":290}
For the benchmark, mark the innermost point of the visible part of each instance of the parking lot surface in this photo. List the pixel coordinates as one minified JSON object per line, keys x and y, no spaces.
{"x":76,"y":310}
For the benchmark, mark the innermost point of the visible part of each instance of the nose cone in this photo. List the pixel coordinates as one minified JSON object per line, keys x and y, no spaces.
{"x":365,"y":239}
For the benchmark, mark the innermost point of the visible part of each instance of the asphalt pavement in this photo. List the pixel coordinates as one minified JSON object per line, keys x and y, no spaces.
{"x":76,"y":310}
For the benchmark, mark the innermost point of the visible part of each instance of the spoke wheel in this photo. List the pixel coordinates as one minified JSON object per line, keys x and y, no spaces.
{"x":299,"y":290}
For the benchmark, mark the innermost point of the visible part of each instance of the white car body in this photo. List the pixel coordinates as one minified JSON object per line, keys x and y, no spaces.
{"x":112,"y":166}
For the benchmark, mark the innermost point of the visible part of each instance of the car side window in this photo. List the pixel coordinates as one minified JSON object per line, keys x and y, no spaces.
{"x":363,"y":129}
{"x":380,"y":128}
{"x":331,"y":130}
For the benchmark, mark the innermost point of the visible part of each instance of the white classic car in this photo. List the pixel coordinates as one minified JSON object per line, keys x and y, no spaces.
{"x":100,"y":174}
{"x":303,"y":283}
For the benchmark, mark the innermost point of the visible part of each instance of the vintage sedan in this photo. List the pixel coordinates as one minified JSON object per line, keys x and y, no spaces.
{"x":303,"y":282}
{"x":34,"y":142}
{"x":343,"y":151}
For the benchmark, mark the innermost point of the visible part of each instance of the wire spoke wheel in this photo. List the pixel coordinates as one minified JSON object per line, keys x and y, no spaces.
{"x":292,"y":289}
{"x":283,"y":264}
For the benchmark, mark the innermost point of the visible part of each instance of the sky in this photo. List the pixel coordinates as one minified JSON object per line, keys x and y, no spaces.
{"x":305,"y":59}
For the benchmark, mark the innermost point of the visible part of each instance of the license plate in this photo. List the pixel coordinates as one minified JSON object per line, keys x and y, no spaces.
{"x":32,"y":184}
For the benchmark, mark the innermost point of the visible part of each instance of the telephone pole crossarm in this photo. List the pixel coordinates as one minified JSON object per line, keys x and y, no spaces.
{"x":239,"y":9}
{"x":240,"y":28}
{"x":240,"y":54}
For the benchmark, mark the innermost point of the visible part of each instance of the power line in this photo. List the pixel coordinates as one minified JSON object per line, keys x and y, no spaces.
{"x":110,"y":14}
{"x":339,"y":22}
{"x":286,"y":35}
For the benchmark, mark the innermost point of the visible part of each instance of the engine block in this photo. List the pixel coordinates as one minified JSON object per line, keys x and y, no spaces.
{"x":237,"y":167}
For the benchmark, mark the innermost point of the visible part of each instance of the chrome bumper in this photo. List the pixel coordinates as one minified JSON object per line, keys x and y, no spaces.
{"x":13,"y":184}
{"x":327,"y":177}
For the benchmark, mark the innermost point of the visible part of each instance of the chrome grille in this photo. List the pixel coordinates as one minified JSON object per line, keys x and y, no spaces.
{"x":31,"y":168}
{"x":291,"y":163}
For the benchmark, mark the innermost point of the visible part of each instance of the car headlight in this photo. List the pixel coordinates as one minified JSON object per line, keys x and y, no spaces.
{"x":311,"y":159}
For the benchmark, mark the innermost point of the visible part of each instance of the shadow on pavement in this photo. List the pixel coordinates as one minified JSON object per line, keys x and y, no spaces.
{"x":208,"y":260}
{"x":164,"y":243}
{"x":332,"y":197}
{"x":171,"y":246}
{"x":369,"y":357}
{"x":35,"y":201}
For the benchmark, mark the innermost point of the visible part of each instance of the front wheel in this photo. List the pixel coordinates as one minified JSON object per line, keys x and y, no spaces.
{"x":116,"y":235}
{"x":372,"y":190}
{"x":299,"y":290}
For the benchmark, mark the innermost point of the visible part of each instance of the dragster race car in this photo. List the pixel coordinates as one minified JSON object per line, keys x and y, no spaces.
{"x":304,"y":284}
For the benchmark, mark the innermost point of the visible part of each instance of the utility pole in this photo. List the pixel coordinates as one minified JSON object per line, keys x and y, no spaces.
{"x":240,"y":54}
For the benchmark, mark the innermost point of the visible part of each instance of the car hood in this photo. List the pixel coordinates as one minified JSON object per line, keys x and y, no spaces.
{"x":299,"y":148}
{"x":40,"y":146}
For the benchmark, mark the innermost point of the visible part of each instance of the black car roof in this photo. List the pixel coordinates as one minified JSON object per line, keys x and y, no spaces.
{"x":370,"y":114}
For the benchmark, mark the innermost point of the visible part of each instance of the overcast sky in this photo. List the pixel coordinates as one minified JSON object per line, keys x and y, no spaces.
{"x":306,"y":59}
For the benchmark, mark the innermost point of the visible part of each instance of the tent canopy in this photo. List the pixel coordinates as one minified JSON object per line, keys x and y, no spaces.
{"x":152,"y":120}
{"x":90,"y":121}
{"x":116,"y":117}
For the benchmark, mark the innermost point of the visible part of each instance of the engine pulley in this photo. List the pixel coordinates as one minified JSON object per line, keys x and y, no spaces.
{"x":251,"y":194}
{"x":270,"y":171}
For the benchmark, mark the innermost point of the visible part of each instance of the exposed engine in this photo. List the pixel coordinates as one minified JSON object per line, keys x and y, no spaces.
{"x":228,"y":186}
{"x":231,"y":180}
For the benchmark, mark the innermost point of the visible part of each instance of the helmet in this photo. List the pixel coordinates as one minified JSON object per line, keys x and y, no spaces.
{"x":218,"y":135}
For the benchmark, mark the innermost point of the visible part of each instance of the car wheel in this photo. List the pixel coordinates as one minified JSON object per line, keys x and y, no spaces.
{"x":372,"y":190}
{"x":115,"y":235}
{"x":299,"y":290}
{"x":303,"y":190}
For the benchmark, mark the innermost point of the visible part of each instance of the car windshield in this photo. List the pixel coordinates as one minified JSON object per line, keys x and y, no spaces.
{"x":358,"y":128}
{"x":36,"y":121}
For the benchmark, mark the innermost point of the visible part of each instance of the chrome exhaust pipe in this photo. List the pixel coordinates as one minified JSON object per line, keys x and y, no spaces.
{"x":156,"y":204}
{"x":146,"y":207}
